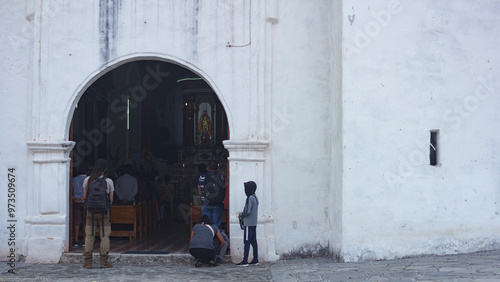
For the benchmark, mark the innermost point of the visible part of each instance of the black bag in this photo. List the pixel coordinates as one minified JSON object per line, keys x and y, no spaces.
{"x":98,"y":199}
{"x":242,"y":223}
{"x":215,"y":189}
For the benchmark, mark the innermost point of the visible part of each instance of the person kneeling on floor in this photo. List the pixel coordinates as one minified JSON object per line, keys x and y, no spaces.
{"x":203,"y":245}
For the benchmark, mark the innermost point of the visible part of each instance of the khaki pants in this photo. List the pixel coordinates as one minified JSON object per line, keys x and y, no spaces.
{"x":90,"y":236}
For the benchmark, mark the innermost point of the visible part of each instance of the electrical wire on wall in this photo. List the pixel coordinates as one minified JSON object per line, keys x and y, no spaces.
{"x":249,"y":30}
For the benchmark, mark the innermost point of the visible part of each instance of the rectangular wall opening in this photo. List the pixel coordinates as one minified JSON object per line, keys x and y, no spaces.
{"x":433,"y":148}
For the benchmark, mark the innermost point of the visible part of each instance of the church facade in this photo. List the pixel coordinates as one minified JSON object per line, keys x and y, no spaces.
{"x":370,"y":127}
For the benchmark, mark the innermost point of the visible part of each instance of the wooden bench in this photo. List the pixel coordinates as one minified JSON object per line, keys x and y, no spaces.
{"x":140,"y":219}
{"x":144,"y":218}
{"x":145,"y":213}
{"x":125,"y":215}
{"x":195,"y":215}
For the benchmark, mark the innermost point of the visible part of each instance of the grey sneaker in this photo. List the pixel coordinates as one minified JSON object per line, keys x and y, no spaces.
{"x":218,"y":261}
{"x":198,"y":263}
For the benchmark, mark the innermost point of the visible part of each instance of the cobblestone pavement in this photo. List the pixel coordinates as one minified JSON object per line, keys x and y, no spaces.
{"x":483,"y":266}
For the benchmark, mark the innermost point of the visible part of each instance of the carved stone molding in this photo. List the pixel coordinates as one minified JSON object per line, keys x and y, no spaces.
{"x":51,"y":151}
{"x":246,"y":150}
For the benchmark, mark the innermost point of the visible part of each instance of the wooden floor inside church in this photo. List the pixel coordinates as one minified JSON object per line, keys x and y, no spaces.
{"x":173,"y":239}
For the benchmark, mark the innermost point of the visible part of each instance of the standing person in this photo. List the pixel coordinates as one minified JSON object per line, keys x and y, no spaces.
{"x":202,"y":169}
{"x":96,"y":221}
{"x":79,"y":215}
{"x":212,"y":187}
{"x":203,"y":245}
{"x":249,"y":216}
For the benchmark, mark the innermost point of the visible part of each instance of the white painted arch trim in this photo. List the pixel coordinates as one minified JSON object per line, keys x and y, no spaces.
{"x":138,"y":56}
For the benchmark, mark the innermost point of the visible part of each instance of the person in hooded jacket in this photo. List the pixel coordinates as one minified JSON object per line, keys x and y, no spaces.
{"x":249,"y":216}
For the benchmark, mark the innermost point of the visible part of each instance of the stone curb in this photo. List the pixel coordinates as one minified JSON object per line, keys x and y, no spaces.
{"x":142,"y":259}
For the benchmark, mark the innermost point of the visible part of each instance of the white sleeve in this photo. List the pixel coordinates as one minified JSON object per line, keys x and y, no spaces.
{"x":86,"y":183}
{"x":111,"y":186}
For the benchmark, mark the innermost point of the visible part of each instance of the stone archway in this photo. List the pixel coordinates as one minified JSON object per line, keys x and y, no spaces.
{"x":145,"y":113}
{"x":47,"y":219}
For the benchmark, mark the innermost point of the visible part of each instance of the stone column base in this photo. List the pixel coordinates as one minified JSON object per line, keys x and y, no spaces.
{"x":246,"y":163}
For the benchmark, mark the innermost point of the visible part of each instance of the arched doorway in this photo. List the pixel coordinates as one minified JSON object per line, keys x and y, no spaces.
{"x":165,"y":121}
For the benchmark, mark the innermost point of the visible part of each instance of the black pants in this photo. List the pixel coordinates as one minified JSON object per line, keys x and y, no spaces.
{"x":250,"y":238}
{"x":204,"y":255}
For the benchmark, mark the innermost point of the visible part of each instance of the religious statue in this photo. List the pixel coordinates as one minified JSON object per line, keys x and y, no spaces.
{"x":205,"y":128}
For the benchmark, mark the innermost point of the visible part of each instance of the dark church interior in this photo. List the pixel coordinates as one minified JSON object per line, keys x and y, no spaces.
{"x":165,"y":121}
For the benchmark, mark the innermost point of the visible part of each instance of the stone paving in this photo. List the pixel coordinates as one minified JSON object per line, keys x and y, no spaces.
{"x":482,"y":266}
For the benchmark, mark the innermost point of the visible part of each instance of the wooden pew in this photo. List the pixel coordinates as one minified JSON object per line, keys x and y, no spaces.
{"x":195,"y":215}
{"x":143,"y":218}
{"x":140,"y":219}
{"x":125,"y":215}
{"x":148,"y":216}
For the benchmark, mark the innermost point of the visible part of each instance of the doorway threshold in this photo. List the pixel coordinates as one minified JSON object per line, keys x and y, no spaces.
{"x":120,"y":258}
{"x":168,"y":245}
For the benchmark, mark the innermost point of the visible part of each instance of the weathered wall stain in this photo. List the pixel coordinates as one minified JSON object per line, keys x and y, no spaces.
{"x":308,"y":251}
{"x":109,"y":11}
{"x":196,"y":10}
{"x":351,"y":17}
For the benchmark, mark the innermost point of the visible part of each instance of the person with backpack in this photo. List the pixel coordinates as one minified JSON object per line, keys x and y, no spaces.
{"x":98,"y":192}
{"x":212,"y":188}
{"x":249,"y":217}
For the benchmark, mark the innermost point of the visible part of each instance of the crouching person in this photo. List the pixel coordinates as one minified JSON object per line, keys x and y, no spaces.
{"x":201,"y":244}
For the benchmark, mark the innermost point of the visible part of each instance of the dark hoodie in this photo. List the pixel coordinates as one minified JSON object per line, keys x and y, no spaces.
{"x":249,"y":213}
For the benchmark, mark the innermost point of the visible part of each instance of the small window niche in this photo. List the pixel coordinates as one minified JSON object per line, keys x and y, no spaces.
{"x":433,"y":147}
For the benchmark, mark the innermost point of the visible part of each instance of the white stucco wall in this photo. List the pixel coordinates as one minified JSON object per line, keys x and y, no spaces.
{"x":410,"y":67}
{"x":70,"y":45}
{"x":300,"y":146}
{"x":329,"y":104}
{"x":335,"y":206}
{"x":67,"y":46}
{"x":14,"y":119}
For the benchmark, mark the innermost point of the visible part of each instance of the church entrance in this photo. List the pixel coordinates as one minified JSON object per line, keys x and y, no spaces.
{"x":161,"y":123}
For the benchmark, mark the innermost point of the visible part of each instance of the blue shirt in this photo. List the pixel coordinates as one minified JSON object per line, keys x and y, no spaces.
{"x":201,"y":183}
{"x":78,"y":185}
